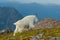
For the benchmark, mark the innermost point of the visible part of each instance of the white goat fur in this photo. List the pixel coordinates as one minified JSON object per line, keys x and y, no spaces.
{"x":28,"y":20}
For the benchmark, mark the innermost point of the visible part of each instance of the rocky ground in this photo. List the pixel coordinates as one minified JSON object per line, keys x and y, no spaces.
{"x":45,"y":34}
{"x":46,"y":29}
{"x":47,"y":23}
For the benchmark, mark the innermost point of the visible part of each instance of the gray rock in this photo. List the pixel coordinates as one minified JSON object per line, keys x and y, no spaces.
{"x":40,"y":35}
{"x":37,"y":37}
{"x":5,"y":31}
{"x":52,"y":38}
{"x":2,"y":31}
{"x":57,"y":38}
{"x":11,"y":38}
{"x":34,"y":38}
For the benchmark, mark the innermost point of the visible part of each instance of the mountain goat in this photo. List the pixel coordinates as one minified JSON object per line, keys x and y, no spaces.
{"x":29,"y":20}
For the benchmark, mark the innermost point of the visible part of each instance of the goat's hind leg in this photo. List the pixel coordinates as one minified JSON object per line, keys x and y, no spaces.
{"x":15,"y":31}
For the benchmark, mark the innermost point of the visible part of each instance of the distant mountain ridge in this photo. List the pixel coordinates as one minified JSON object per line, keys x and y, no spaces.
{"x":8,"y":16}
{"x":42,"y":11}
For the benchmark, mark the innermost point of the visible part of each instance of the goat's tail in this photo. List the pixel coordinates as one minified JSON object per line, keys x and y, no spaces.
{"x":14,"y":23}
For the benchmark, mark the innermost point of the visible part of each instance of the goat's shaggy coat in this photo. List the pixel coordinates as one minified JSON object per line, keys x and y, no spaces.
{"x":26,"y":21}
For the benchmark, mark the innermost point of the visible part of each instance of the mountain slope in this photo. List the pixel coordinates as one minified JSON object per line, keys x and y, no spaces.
{"x":8,"y":16}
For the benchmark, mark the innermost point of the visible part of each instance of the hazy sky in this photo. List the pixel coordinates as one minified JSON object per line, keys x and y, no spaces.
{"x":36,"y":1}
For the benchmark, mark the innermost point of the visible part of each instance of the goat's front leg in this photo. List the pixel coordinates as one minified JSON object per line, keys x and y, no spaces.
{"x":31,"y":25}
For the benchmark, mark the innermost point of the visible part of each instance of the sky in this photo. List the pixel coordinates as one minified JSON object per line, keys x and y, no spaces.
{"x":34,"y":1}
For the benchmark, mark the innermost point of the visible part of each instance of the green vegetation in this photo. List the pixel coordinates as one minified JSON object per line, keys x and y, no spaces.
{"x":48,"y":32}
